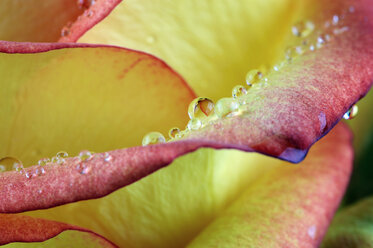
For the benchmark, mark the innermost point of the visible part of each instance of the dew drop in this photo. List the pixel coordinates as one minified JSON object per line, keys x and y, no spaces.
{"x":351,"y":113}
{"x":10,"y":164}
{"x":303,"y":29}
{"x":194,"y":124}
{"x":238,"y":91}
{"x":85,"y":155}
{"x":107,"y":157}
{"x":62,"y":154}
{"x":83,"y":168}
{"x":153,"y":138}
{"x":351,"y":9}
{"x":200,"y":107}
{"x":253,"y":77}
{"x":322,"y":39}
{"x":173,"y":132}
{"x":66,"y":29}
{"x":335,"y":20}
{"x":225,"y":106}
{"x":43,"y":161}
{"x":85,"y":4}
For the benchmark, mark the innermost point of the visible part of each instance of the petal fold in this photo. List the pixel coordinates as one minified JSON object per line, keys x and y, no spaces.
{"x":17,"y":228}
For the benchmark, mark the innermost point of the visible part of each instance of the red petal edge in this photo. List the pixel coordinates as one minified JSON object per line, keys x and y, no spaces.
{"x":93,"y":15}
{"x":18,"y":228}
{"x":339,"y":74}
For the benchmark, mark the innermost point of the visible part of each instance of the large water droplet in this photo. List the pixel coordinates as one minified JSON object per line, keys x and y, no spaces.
{"x":153,"y":138}
{"x":173,"y":132}
{"x":253,"y":77}
{"x":303,"y":29}
{"x":225,"y":106}
{"x":335,"y":20}
{"x":200,"y":107}
{"x":85,"y":155}
{"x":194,"y":124}
{"x":238,"y":91}
{"x":351,"y":113}
{"x":10,"y":164}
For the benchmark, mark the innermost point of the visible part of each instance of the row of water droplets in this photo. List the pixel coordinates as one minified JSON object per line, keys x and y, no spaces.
{"x":202,"y":110}
{"x":13,"y":164}
{"x":82,"y":4}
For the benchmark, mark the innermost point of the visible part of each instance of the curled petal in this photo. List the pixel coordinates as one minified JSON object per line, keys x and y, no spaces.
{"x":17,"y":228}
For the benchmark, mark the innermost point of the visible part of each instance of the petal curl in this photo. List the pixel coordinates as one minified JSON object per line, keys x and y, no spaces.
{"x":172,"y":206}
{"x":17,"y":228}
{"x":289,"y":207}
{"x":72,"y":97}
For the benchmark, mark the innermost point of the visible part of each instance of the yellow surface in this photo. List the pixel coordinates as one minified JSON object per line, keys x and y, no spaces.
{"x":77,"y":99}
{"x":212,"y":44}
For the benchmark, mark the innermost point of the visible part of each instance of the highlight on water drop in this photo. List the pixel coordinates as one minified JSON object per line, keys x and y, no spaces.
{"x":303,"y":28}
{"x":351,"y":113}
{"x":153,"y":138}
{"x":253,"y":77}
{"x":173,"y":132}
{"x":238,"y":91}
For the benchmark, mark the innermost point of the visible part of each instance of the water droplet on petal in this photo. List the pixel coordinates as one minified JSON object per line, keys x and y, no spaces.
{"x":194,"y":124}
{"x":238,"y":91}
{"x":107,"y":157}
{"x":303,"y":29}
{"x":253,"y":77}
{"x":335,"y":20}
{"x":10,"y":164}
{"x":173,"y":132}
{"x":66,"y":29}
{"x":83,"y":168}
{"x":312,"y":231}
{"x":153,"y":138}
{"x":85,"y":155}
{"x":225,"y":106}
{"x":43,"y":161}
{"x":322,"y":39}
{"x":62,"y":154}
{"x":200,"y":107}
{"x":351,"y":9}
{"x":85,"y":4}
{"x":351,"y":113}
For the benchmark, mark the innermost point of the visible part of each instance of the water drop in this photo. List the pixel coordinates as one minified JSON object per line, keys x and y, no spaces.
{"x":351,"y":9}
{"x":200,"y":107}
{"x":83,"y":168}
{"x":38,"y":171}
{"x":107,"y":157}
{"x":238,"y":91}
{"x":10,"y":164}
{"x":66,"y":29}
{"x":85,"y":4}
{"x":322,"y":39}
{"x":225,"y":106}
{"x":62,"y":154}
{"x":292,"y":52}
{"x":303,"y":29}
{"x":85,"y":155}
{"x":351,"y":113}
{"x":253,"y":77}
{"x":173,"y":132}
{"x":194,"y":124}
{"x":312,"y":231}
{"x":43,"y":161}
{"x":335,"y":20}
{"x":153,"y":138}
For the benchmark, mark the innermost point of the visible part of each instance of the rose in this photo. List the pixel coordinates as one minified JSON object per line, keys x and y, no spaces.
{"x":308,"y":232}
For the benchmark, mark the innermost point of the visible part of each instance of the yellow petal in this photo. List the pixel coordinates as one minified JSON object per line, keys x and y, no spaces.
{"x":71,"y":99}
{"x":212,"y":45}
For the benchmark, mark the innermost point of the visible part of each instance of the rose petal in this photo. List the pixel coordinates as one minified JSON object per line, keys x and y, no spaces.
{"x":35,"y":20}
{"x":289,"y":207}
{"x":172,"y":206}
{"x":94,"y":12}
{"x":212,"y":45}
{"x":352,"y":226}
{"x":17,"y":228}
{"x":88,"y":97}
